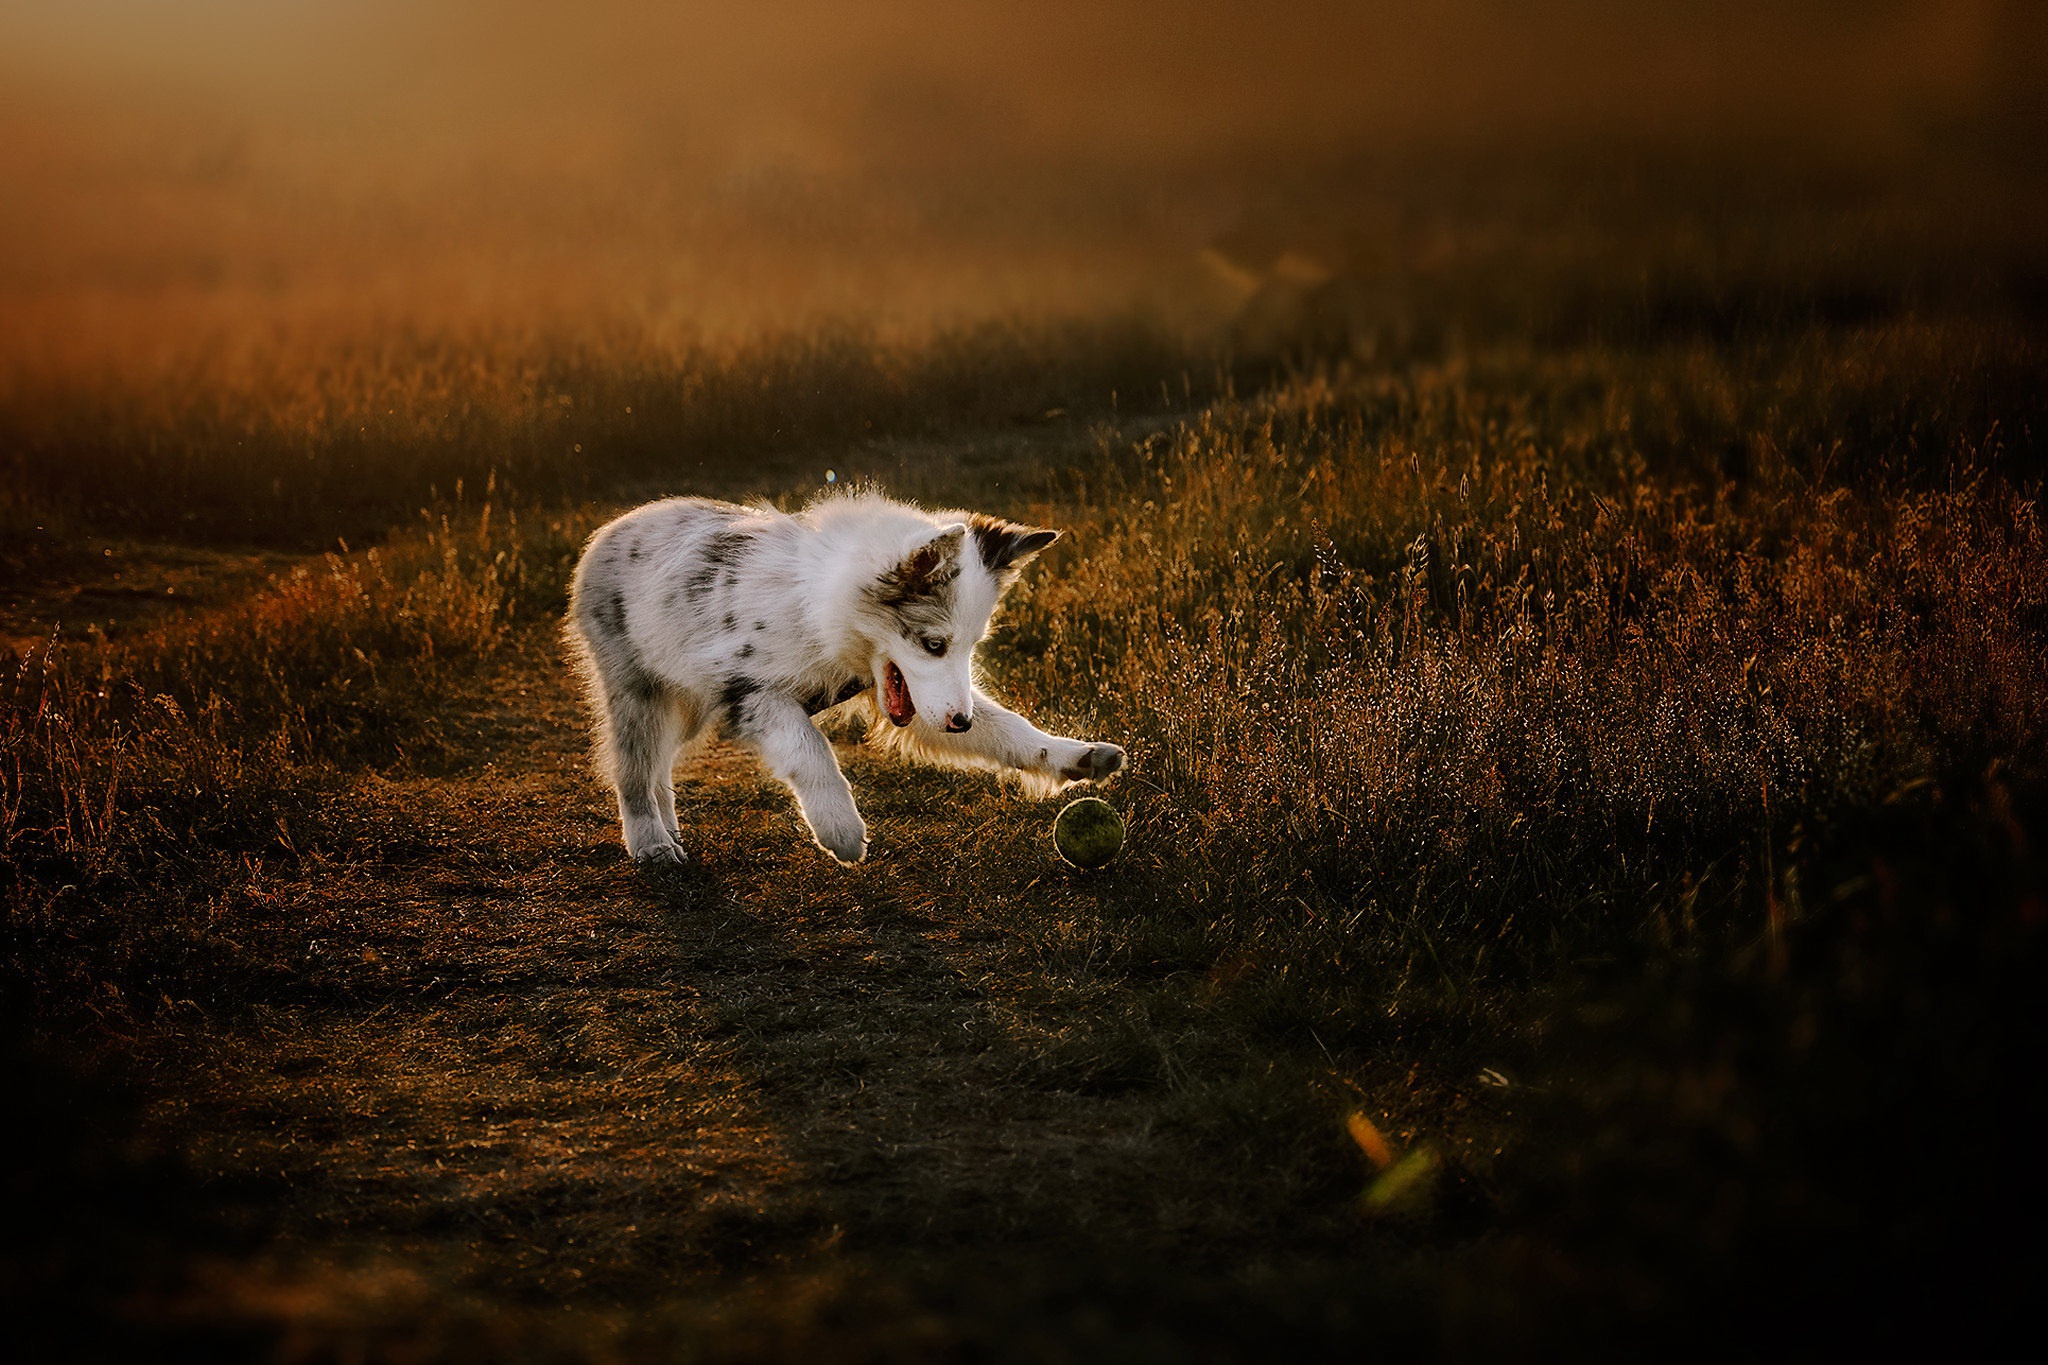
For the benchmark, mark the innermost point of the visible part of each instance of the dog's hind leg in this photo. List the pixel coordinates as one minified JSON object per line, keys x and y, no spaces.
{"x":776,"y":727}
{"x":645,"y":726}
{"x":689,"y":724}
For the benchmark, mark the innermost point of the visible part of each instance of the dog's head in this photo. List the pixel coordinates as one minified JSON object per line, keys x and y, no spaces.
{"x":933,"y":606}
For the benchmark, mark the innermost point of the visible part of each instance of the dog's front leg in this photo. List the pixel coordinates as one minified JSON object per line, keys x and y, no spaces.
{"x":1002,"y":737}
{"x":777,"y":729}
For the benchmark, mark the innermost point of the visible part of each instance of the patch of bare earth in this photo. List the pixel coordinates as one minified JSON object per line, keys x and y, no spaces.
{"x":117,"y":587}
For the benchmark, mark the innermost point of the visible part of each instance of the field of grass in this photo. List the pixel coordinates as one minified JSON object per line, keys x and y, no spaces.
{"x":1582,"y":665}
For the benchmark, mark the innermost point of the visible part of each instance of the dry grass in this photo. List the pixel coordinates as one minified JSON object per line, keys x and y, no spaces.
{"x":170,"y":758}
{"x":1438,"y":677}
{"x":1610,"y":756}
{"x":315,"y":435}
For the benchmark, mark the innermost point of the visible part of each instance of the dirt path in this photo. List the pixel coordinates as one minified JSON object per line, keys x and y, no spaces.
{"x":116,"y":586}
{"x":523,"y":1067}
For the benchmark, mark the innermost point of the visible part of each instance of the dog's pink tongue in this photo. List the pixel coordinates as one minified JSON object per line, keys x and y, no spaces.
{"x":896,"y":696}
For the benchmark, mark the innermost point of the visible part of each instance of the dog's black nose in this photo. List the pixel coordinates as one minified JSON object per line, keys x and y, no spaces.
{"x":956,"y":722}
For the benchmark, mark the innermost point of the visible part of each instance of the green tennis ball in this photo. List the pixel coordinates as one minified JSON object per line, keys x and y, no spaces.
{"x":1089,"y":832}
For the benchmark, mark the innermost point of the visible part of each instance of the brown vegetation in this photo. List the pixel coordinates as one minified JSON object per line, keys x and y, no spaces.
{"x":1579,"y":634}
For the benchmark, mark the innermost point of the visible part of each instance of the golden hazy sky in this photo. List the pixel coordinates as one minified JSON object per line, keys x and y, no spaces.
{"x":833,"y":87}
{"x":180,"y":152}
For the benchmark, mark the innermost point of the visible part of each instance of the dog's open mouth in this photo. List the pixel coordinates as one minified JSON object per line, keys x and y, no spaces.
{"x":896,"y":695}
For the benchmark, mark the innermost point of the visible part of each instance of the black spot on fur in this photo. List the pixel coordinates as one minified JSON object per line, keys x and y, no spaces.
{"x":1004,"y":545}
{"x":760,"y":625}
{"x":823,"y":700}
{"x":611,"y":613}
{"x":668,"y":599}
{"x":643,"y":686}
{"x":734,"y":694}
{"x":732,"y":580}
{"x":722,"y":548}
{"x":746,"y":651}
{"x":719,"y":550}
{"x":731,"y":621}
{"x":634,"y":553}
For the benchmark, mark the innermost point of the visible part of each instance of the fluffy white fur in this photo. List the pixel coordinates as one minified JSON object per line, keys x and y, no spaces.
{"x":688,"y":614}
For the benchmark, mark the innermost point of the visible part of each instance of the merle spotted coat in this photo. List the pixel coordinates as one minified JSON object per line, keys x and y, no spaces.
{"x":688,"y":614}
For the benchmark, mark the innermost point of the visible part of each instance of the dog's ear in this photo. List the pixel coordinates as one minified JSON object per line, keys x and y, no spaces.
{"x":1005,"y":545}
{"x":928,"y":564}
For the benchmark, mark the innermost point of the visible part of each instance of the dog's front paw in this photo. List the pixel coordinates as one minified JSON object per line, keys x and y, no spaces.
{"x":662,"y":851}
{"x":1095,"y":763}
{"x":846,"y":840}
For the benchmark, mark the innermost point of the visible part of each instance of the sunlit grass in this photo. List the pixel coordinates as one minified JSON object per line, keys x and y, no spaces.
{"x":1435,"y":677}
{"x":162,"y":763}
{"x":343,"y":435}
{"x":1440,"y":676}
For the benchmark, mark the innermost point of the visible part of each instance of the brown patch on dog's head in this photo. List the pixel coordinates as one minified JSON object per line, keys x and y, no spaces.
{"x":1006,"y":546}
{"x":928,"y":569}
{"x":919,"y":589}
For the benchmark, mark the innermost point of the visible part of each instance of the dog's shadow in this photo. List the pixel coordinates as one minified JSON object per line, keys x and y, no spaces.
{"x":874,"y":1014}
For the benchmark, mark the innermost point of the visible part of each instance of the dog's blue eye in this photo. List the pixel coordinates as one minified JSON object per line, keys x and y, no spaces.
{"x":935,"y":648}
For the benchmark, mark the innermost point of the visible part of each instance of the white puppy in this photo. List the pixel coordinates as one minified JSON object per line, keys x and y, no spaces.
{"x":689,"y":612}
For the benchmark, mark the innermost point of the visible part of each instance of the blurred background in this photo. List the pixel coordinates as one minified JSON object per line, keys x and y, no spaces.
{"x":172,"y":170}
